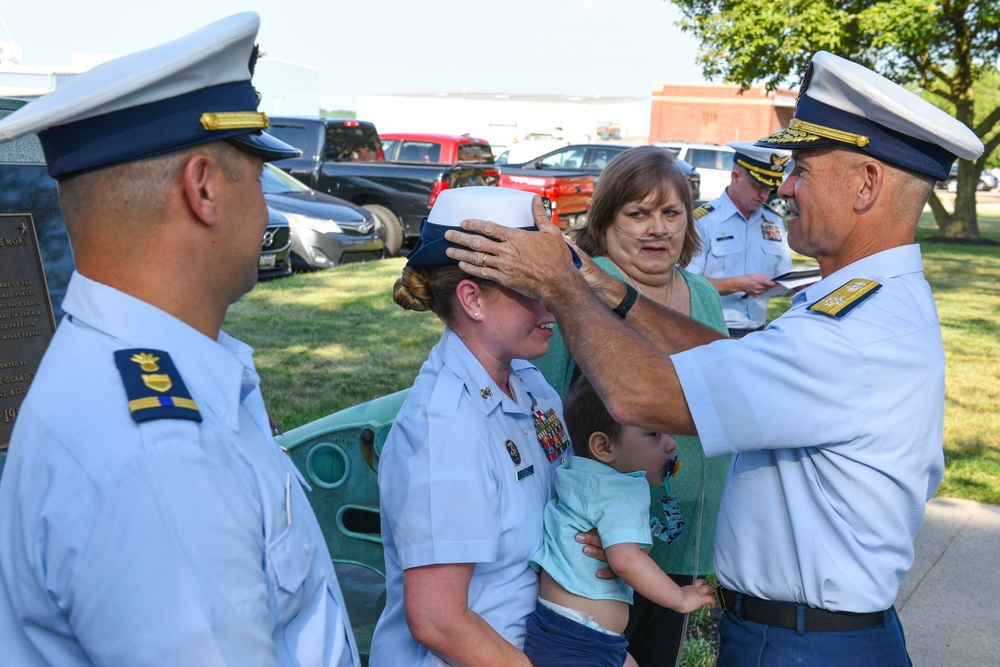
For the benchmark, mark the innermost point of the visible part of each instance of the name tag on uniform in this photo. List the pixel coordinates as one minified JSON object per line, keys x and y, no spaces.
{"x":770,"y":231}
{"x":524,"y":473}
{"x":724,"y":237}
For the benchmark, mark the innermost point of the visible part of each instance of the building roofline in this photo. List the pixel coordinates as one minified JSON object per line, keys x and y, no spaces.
{"x":517,"y":97}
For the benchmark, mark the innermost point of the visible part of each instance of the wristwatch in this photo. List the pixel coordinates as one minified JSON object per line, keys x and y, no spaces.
{"x":627,"y":302}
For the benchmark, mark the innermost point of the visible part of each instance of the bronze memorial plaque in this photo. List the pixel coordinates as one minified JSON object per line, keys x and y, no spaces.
{"x":26,"y":322}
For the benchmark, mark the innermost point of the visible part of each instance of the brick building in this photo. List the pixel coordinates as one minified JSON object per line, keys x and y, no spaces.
{"x":714,"y":113}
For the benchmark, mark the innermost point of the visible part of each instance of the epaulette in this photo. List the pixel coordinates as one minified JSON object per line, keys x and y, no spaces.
{"x":154,"y":387}
{"x":702,"y":210}
{"x":845,"y":298}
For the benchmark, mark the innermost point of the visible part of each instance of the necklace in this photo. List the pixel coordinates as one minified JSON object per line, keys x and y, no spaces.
{"x":670,"y":293}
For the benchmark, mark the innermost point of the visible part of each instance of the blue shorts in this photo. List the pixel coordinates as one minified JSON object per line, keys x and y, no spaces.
{"x":553,"y":640}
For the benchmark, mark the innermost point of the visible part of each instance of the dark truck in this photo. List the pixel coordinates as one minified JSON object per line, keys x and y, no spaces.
{"x":343,"y":157}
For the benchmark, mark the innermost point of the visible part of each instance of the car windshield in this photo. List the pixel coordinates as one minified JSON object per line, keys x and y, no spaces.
{"x":273,"y":181}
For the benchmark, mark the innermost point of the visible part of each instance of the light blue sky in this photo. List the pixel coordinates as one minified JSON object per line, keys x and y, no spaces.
{"x":572,"y":47}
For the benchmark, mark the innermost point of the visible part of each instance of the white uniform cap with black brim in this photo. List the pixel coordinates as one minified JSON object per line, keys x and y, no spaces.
{"x":191,"y":91}
{"x":765,"y":165}
{"x":503,"y":206}
{"x":842,"y":103}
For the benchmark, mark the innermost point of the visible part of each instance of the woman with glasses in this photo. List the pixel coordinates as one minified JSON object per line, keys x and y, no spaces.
{"x":640,"y":230}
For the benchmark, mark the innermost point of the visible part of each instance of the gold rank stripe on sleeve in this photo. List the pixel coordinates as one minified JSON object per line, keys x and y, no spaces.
{"x":702,"y":210}
{"x":846,"y":297}
{"x":161,"y":401}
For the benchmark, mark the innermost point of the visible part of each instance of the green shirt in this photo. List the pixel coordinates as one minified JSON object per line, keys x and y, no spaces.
{"x":699,"y":483}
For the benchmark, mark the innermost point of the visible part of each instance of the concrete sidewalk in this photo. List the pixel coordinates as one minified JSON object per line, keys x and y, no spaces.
{"x":948,"y":601}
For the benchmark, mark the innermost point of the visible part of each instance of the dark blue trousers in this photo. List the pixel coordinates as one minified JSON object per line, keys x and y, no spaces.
{"x":744,"y":643}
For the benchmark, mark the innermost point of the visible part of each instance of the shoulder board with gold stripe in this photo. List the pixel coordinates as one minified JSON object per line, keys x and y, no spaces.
{"x":154,"y":387}
{"x":702,"y":210}
{"x":845,"y":298}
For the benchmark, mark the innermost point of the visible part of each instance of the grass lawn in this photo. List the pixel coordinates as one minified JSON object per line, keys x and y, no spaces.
{"x":966,"y":282}
{"x":332,"y":339}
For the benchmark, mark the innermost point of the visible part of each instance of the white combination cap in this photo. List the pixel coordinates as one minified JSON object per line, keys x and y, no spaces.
{"x":842,"y":103}
{"x":187,"y":92}
{"x":766,"y":165}
{"x":504,"y":206}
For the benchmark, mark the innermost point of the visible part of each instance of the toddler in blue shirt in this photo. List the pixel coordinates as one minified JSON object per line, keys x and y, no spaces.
{"x":605,"y":485}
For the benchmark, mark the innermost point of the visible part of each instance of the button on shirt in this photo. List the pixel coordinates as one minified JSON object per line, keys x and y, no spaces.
{"x":837,"y":428}
{"x":452,"y":490}
{"x":735,"y":246}
{"x":165,"y":542}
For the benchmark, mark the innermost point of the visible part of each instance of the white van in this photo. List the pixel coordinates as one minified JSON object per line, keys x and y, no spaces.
{"x":713,"y":162}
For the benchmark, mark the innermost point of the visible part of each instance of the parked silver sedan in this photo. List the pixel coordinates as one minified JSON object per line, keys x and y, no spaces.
{"x":326,"y":231}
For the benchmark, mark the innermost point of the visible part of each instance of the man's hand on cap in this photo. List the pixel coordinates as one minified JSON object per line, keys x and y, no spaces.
{"x":524,"y":261}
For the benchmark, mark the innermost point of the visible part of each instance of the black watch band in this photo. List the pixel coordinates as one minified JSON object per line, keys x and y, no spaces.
{"x":627,"y":302}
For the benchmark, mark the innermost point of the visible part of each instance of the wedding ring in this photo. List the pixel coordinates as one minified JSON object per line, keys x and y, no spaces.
{"x":482,"y":259}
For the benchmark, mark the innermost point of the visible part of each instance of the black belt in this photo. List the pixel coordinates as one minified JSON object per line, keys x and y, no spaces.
{"x":785,"y":614}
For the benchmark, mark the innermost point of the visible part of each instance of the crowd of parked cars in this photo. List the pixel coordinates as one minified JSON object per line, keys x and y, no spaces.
{"x":356,"y":195}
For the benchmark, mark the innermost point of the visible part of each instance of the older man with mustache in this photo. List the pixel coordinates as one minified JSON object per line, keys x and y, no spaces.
{"x":834,"y":412}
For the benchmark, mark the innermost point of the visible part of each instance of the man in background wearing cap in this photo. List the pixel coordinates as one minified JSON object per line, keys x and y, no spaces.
{"x":823,"y":500}
{"x":149,"y":516}
{"x":743,"y":244}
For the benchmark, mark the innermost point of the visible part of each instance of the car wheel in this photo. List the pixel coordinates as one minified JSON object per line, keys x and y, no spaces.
{"x":391,"y":226}
{"x":951,"y":186}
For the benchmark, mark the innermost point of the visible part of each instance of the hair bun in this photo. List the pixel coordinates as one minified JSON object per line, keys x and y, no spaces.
{"x":412,"y":291}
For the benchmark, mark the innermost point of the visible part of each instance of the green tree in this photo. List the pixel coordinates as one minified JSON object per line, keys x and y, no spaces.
{"x":944,"y":47}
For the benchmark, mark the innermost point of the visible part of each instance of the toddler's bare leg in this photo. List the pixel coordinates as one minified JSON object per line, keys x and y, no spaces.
{"x":630,"y":661}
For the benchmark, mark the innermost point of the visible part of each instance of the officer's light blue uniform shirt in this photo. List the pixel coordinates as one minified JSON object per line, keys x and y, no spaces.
{"x":589,"y":495}
{"x":454,"y":488}
{"x":161,"y":543}
{"x":735,"y":246}
{"x":837,"y":427}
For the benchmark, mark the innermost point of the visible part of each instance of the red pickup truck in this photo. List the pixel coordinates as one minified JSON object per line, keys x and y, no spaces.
{"x":435,"y":148}
{"x":570,"y":193}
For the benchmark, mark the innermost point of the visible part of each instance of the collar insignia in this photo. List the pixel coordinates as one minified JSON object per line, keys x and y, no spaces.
{"x":486,"y":392}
